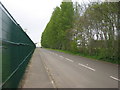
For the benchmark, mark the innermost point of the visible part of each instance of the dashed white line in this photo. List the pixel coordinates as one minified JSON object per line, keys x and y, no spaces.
{"x":56,"y":54}
{"x":52,"y":82}
{"x":86,"y":66}
{"x":61,"y":56}
{"x":66,"y":58}
{"x":51,"y":53}
{"x":114,"y":78}
{"x":69,"y":59}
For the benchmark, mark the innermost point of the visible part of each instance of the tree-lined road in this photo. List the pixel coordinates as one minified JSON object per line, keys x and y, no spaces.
{"x":70,"y":71}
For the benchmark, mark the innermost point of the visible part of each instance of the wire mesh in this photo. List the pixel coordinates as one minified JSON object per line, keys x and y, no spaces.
{"x":17,"y":49}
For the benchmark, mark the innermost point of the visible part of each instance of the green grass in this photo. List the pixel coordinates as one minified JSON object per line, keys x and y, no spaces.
{"x":87,"y":56}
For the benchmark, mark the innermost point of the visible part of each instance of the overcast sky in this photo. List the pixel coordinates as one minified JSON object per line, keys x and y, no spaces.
{"x":32,"y":15}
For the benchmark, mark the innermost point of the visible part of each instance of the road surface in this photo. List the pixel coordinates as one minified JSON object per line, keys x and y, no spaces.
{"x":59,"y":70}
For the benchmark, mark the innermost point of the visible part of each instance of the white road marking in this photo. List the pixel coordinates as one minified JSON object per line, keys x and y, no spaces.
{"x":52,"y":82}
{"x":51,"y":53}
{"x":86,"y":66}
{"x":114,"y":78}
{"x":69,"y":59}
{"x":56,"y":54}
{"x":61,"y":56}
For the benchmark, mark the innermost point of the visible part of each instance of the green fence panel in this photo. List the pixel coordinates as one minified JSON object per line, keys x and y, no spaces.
{"x":0,"y":46}
{"x":17,"y":49}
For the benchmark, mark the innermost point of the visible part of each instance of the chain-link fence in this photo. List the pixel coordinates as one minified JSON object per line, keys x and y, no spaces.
{"x":17,"y":49}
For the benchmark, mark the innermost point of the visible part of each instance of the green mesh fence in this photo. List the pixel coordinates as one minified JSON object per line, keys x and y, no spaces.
{"x":17,"y":49}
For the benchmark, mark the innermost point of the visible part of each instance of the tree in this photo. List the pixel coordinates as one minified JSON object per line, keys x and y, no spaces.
{"x":90,"y":29}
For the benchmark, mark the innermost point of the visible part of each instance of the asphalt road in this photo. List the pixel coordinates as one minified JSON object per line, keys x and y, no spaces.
{"x":70,"y":71}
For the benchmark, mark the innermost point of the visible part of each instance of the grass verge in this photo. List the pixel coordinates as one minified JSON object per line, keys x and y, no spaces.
{"x":87,"y":56}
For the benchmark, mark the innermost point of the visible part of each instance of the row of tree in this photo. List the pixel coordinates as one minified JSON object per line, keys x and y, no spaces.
{"x":90,"y":29}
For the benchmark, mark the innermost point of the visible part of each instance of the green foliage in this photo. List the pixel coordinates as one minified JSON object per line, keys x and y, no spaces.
{"x":91,"y":30}
{"x":56,"y":32}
